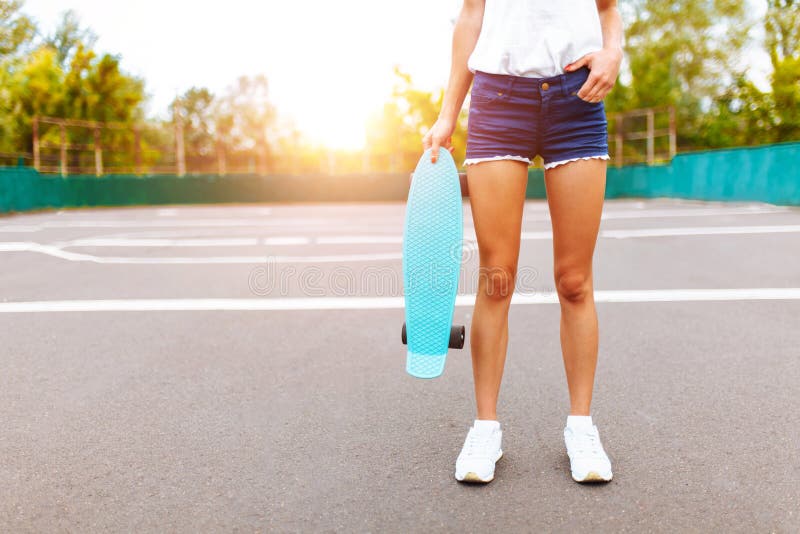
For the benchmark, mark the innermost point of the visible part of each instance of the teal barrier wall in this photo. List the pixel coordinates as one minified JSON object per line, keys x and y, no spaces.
{"x":24,"y":189}
{"x":768,"y":173}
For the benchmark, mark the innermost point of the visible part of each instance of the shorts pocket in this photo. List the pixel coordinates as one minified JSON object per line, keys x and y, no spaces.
{"x":484,"y":92}
{"x":574,"y":96}
{"x":485,"y":97}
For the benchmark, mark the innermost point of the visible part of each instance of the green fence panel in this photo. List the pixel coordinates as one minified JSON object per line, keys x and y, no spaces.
{"x":769,"y":173}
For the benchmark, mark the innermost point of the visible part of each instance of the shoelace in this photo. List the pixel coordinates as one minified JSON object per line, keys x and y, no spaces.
{"x":588,"y":442}
{"x":477,"y":445}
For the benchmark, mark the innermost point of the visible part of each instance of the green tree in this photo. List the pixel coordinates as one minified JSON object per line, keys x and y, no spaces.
{"x":96,"y":89}
{"x":782,"y":25}
{"x":16,"y":34}
{"x":247,"y":120}
{"x":16,"y":29}
{"x":682,"y":53}
{"x":196,"y":107}
{"x":394,"y":135}
{"x":72,"y":82}
{"x":69,"y":36}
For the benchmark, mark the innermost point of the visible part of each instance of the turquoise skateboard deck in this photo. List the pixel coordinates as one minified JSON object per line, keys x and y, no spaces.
{"x":432,"y":247}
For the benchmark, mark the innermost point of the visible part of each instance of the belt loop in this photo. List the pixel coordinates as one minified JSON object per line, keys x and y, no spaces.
{"x":510,"y":85}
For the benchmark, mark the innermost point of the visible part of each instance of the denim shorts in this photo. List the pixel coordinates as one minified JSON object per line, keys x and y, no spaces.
{"x":514,"y":117}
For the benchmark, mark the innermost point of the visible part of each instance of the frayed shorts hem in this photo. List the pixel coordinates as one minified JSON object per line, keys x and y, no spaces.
{"x":557,"y":163}
{"x":472,"y":161}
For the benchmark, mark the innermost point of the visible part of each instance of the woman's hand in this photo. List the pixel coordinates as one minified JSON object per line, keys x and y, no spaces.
{"x":440,"y":135}
{"x":604,"y":66}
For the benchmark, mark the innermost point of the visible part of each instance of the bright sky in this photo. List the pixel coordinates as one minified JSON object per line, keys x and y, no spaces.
{"x":329,"y":63}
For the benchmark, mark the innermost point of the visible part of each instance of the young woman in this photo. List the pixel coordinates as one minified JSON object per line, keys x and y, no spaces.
{"x":539,"y":71}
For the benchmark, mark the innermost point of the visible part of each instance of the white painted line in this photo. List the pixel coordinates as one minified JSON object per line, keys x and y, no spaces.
{"x":360,"y":239}
{"x":48,"y":250}
{"x":530,"y":236}
{"x":290,"y":240}
{"x":248,"y":232}
{"x":184,"y":223}
{"x":538,"y":211}
{"x":248,"y":260}
{"x":370,"y":303}
{"x":19,"y":228}
{"x":669,"y":213}
{"x":684,"y":231}
{"x":697,"y":212}
{"x":201,"y":260}
{"x":57,"y":250}
{"x":105,"y":242}
{"x":700,"y":230}
{"x":469,"y":234}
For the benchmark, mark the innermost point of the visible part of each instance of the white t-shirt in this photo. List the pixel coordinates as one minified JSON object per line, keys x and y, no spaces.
{"x":535,"y":38}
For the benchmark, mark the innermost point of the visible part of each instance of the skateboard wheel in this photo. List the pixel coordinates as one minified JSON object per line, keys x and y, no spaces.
{"x":403,"y":335}
{"x":457,"y":336}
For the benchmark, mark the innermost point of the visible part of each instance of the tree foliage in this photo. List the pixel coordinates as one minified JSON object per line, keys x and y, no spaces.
{"x":394,"y":134}
{"x":16,"y":29}
{"x":63,"y":77}
{"x":684,"y":53}
{"x":782,"y":26}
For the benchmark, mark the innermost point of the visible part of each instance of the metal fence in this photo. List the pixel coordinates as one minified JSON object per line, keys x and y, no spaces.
{"x":70,"y":146}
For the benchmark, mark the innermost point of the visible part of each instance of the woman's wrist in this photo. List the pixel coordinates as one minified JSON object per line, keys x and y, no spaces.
{"x":615,"y":49}
{"x":447,"y":117}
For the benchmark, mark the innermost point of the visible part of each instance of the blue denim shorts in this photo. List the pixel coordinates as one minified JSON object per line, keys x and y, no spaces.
{"x":514,"y":117}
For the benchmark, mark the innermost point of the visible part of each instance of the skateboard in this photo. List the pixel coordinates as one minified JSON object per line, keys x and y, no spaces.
{"x":432,"y":248}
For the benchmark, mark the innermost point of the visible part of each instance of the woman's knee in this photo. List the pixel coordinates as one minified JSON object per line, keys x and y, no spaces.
{"x":497,"y":281}
{"x":573,"y":285}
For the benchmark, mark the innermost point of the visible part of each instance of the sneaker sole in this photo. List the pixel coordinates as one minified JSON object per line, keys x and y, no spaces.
{"x":593,"y":476}
{"x":473,"y":478}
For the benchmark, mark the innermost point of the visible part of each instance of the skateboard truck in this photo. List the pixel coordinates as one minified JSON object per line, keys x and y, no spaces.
{"x":457,"y":336}
{"x":462,"y":178}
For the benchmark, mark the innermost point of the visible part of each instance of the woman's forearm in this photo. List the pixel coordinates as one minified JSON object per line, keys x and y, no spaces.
{"x":611,"y":23}
{"x":465,"y":35}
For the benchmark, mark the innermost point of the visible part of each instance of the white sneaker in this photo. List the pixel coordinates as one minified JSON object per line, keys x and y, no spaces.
{"x":480,"y":452}
{"x":588,"y":461}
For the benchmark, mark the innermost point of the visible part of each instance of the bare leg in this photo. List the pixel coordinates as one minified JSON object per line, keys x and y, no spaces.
{"x":497,"y":198}
{"x":575,"y":194}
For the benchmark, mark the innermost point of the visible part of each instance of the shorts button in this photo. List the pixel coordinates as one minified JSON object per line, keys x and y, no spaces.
{"x":545,"y":86}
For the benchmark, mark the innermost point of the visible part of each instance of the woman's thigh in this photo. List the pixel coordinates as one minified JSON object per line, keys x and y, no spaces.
{"x":497,"y":197}
{"x":575,"y":194}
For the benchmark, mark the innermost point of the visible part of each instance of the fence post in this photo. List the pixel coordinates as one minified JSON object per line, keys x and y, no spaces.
{"x":63,"y":148}
{"x":37,"y":162}
{"x":673,"y":142}
{"x":180,"y":154}
{"x":98,"y":153}
{"x":650,"y":136}
{"x":137,"y":150}
{"x":619,"y":139}
{"x":222,"y":164}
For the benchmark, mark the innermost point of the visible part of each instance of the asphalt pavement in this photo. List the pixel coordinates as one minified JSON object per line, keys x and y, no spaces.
{"x":239,"y":368}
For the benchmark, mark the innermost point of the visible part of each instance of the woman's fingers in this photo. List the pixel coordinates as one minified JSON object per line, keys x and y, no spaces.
{"x":437,"y":143}
{"x":438,"y":136}
{"x":426,"y":141}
